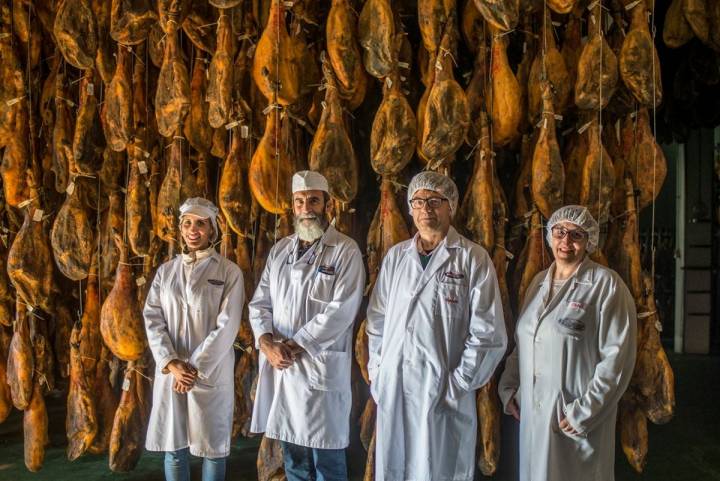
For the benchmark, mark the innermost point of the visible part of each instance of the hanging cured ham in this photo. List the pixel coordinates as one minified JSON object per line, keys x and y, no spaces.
{"x":434,"y":18}
{"x":488,"y":410}
{"x":121,"y":322}
{"x":639,"y":62}
{"x":277,"y":67}
{"x":343,"y":49}
{"x":534,"y":258}
{"x":676,"y":29}
{"x":172,"y":98}
{"x":75,"y":32}
{"x":118,"y":103}
{"x":504,"y":101}
{"x":270,"y":175}
{"x":597,"y":79}
{"x":233,"y":195}
{"x":81,"y":421}
{"x":476,"y":214}
{"x":598,"y":176}
{"x":548,"y":64}
{"x":220,"y":85}
{"x":88,"y":138}
{"x":35,"y":429}
{"x":646,"y":162}
{"x":331,"y":152}
{"x":129,"y":425}
{"x":105,"y":55}
{"x":137,"y":203}
{"x":30,"y":261}
{"x":73,"y":236}
{"x":131,"y":20}
{"x":197,"y":129}
{"x":21,"y":361}
{"x":62,"y":136}
{"x":446,"y":112}
{"x":387,"y":229}
{"x":548,"y":177}
{"x":376,"y":33}
{"x":500,"y":14}
{"x":394,"y":136}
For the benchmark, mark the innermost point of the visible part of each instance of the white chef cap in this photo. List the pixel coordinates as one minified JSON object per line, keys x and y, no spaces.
{"x":309,"y":180}
{"x":202,"y":208}
{"x":442,"y":184}
{"x":581,"y":217}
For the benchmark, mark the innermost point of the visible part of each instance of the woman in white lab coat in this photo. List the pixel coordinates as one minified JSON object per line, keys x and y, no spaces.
{"x":192,"y":315}
{"x":574,"y":356}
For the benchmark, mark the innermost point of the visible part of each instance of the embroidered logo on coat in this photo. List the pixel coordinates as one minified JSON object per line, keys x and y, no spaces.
{"x":572,"y":324}
{"x":329,"y":270}
{"x":451,"y":300}
{"x":576,"y":305}
{"x":216,"y":282}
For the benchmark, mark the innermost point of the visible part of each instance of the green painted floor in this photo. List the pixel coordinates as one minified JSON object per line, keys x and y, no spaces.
{"x":686,"y":449}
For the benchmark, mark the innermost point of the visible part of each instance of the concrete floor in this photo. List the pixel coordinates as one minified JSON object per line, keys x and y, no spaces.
{"x":686,"y":449}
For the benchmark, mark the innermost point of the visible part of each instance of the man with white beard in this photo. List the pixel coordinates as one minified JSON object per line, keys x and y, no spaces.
{"x":302,"y":316}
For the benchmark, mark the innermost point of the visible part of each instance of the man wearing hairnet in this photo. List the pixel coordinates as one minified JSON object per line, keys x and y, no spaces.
{"x":574,"y":356}
{"x":436,"y":333}
{"x":302,"y":315}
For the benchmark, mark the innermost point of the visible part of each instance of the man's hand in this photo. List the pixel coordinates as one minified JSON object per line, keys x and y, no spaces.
{"x":296,"y":348}
{"x":184,"y":374}
{"x":567,"y":427}
{"x":279,"y":355}
{"x":181,"y":388}
{"x":513,"y":408}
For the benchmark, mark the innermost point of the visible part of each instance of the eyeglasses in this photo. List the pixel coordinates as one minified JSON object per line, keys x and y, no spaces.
{"x":433,"y":202}
{"x":576,"y":235}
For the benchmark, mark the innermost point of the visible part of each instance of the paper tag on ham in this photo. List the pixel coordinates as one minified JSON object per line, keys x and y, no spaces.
{"x":38,"y":215}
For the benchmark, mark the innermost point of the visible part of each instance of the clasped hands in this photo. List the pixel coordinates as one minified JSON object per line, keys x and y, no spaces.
{"x":185,"y":375}
{"x":280,"y":354}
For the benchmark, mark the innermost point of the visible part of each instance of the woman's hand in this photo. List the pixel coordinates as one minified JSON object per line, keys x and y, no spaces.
{"x":513,"y":408}
{"x":279,"y":355}
{"x":567,"y":427}
{"x":184,"y":374}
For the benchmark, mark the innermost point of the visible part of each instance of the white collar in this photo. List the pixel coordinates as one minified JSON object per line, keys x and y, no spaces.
{"x":190,"y":257}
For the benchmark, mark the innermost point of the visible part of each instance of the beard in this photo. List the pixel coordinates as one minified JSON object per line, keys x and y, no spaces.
{"x":310,"y":228}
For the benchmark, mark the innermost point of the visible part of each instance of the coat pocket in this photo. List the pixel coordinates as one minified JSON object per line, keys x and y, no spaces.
{"x":452,"y":300}
{"x":330,"y":371}
{"x":322,"y":288}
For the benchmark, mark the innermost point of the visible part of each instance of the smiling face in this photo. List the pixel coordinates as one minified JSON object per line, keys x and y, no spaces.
{"x":309,"y":208}
{"x":568,"y":242}
{"x":196,"y":232}
{"x":428,"y":218}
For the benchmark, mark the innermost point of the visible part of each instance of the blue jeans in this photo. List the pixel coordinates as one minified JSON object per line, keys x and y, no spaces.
{"x":312,"y":464}
{"x":177,"y":466}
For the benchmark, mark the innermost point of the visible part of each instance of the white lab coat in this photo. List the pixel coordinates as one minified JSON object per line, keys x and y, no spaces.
{"x":195,"y":321}
{"x":312,"y":300}
{"x":574,"y":358}
{"x":435,"y":336}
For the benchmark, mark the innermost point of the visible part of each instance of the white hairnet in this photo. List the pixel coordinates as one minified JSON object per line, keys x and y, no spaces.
{"x":202,"y":208}
{"x":581,"y":217}
{"x":442,"y":184}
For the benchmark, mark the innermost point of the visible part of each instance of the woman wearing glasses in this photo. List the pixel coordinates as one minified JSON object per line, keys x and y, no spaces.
{"x":574,"y":356}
